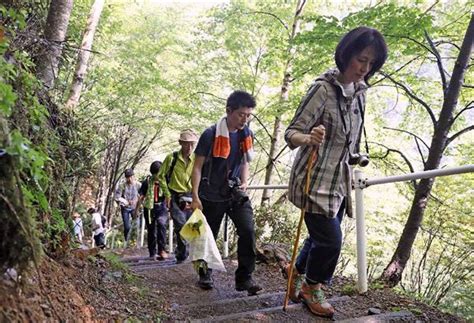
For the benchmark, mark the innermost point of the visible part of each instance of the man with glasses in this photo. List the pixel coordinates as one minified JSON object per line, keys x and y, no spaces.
{"x":219,"y":181}
{"x":175,"y":182}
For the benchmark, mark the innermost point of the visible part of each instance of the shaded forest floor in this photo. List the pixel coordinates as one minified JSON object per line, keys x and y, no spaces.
{"x":92,"y":285}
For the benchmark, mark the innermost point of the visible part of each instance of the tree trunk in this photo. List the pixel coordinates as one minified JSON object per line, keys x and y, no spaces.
{"x":393,"y":272}
{"x":54,"y":36}
{"x":275,"y":140}
{"x":84,"y":54}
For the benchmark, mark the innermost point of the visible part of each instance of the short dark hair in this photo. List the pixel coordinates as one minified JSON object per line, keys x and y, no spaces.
{"x":354,"y":42}
{"x":129,"y":172}
{"x":155,"y":167}
{"x":240,"y":99}
{"x":91,"y":210}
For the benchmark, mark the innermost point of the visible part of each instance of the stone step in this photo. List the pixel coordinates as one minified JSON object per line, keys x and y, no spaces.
{"x":401,"y":316}
{"x":137,"y":259}
{"x":241,"y":308}
{"x":145,"y":263}
{"x":298,"y":313}
{"x":158,"y":266}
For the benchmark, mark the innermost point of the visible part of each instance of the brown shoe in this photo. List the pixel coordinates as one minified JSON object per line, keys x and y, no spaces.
{"x":163,"y":255}
{"x":295,"y":283}
{"x":313,"y":297}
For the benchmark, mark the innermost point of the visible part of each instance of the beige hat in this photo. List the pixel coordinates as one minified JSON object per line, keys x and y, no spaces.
{"x":188,"y":135}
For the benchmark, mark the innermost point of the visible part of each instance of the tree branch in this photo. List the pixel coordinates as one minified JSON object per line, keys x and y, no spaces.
{"x":396,"y":71}
{"x":414,"y":97}
{"x":404,"y":157}
{"x":272,"y":15}
{"x":417,"y":140}
{"x":410,"y":133}
{"x":211,"y":94}
{"x":439,"y":62}
{"x":457,"y":134}
{"x":469,"y":106}
{"x":263,"y":125}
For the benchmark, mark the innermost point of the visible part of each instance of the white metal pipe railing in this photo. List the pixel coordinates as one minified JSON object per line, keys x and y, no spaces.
{"x":361,"y":236}
{"x":419,"y":175}
{"x":360,"y":184}
{"x":170,"y":233}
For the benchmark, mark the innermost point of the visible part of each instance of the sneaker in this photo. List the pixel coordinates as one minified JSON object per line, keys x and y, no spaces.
{"x":249,"y":285}
{"x":295,"y":283}
{"x":205,"y":279}
{"x":313,"y":297}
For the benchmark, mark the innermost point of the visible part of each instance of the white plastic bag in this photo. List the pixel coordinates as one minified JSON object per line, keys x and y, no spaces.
{"x":201,"y":241}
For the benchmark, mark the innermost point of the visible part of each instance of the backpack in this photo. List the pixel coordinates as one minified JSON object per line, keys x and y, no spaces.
{"x":173,"y":164}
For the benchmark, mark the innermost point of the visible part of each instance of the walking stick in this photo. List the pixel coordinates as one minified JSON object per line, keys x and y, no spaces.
{"x":312,"y":159}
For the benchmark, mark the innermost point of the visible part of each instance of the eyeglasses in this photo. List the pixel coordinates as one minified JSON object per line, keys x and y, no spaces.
{"x":247,"y":116}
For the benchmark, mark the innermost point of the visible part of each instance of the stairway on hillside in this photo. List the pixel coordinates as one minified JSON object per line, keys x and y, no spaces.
{"x":177,"y":284}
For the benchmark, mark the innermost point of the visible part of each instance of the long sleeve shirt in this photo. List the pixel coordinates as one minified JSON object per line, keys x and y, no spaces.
{"x":341,"y":114}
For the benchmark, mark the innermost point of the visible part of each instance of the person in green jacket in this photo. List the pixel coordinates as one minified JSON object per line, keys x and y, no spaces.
{"x":175,"y":181}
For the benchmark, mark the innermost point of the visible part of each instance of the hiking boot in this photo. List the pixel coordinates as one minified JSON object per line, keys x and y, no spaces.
{"x":205,"y":279}
{"x":154,"y":257}
{"x":249,"y":285}
{"x":295,"y":283}
{"x":313,"y":297}
{"x":163,"y":255}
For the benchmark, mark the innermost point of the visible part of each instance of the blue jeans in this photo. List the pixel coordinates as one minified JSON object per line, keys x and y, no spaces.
{"x":156,"y":227}
{"x":321,"y":249}
{"x":127,"y":224}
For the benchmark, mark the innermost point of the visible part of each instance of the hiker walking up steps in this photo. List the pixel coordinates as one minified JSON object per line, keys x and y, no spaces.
{"x":329,"y":121}
{"x":175,"y":182}
{"x":155,"y":213}
{"x":220,"y":174}
{"x":126,"y":195}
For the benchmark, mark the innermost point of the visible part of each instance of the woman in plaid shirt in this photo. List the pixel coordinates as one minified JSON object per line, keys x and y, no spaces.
{"x":330,"y":120}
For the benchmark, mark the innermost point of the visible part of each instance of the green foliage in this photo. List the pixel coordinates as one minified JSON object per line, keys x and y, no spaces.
{"x":349,"y":290}
{"x":45,"y":143}
{"x":157,"y":68}
{"x":277,"y":223}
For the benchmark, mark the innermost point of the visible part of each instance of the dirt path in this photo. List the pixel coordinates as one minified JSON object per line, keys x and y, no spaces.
{"x":93,"y":285}
{"x":176,"y":283}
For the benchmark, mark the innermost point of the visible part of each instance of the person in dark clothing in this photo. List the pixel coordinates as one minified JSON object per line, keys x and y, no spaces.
{"x":219,"y":181}
{"x":155,"y":213}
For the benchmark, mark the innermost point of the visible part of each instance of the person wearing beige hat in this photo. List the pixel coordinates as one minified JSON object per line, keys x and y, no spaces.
{"x":175,"y":181}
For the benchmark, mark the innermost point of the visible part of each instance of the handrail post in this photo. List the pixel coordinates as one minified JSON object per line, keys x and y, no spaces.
{"x":142,"y":229}
{"x":170,"y":235}
{"x":225,"y":254}
{"x":360,"y":229}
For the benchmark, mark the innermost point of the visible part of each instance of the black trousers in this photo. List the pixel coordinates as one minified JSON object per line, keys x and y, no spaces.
{"x":242,"y":217}
{"x":156,"y":220}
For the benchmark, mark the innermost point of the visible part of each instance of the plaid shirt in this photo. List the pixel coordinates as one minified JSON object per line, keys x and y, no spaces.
{"x":330,"y":182}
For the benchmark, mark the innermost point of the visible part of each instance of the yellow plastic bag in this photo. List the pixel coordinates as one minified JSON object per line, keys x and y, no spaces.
{"x":202,"y":245}
{"x":194,"y":227}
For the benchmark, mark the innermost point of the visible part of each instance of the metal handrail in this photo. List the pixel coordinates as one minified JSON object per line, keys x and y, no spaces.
{"x":360,"y":183}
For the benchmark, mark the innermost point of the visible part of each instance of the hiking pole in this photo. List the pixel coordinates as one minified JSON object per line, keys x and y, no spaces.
{"x":312,"y":159}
